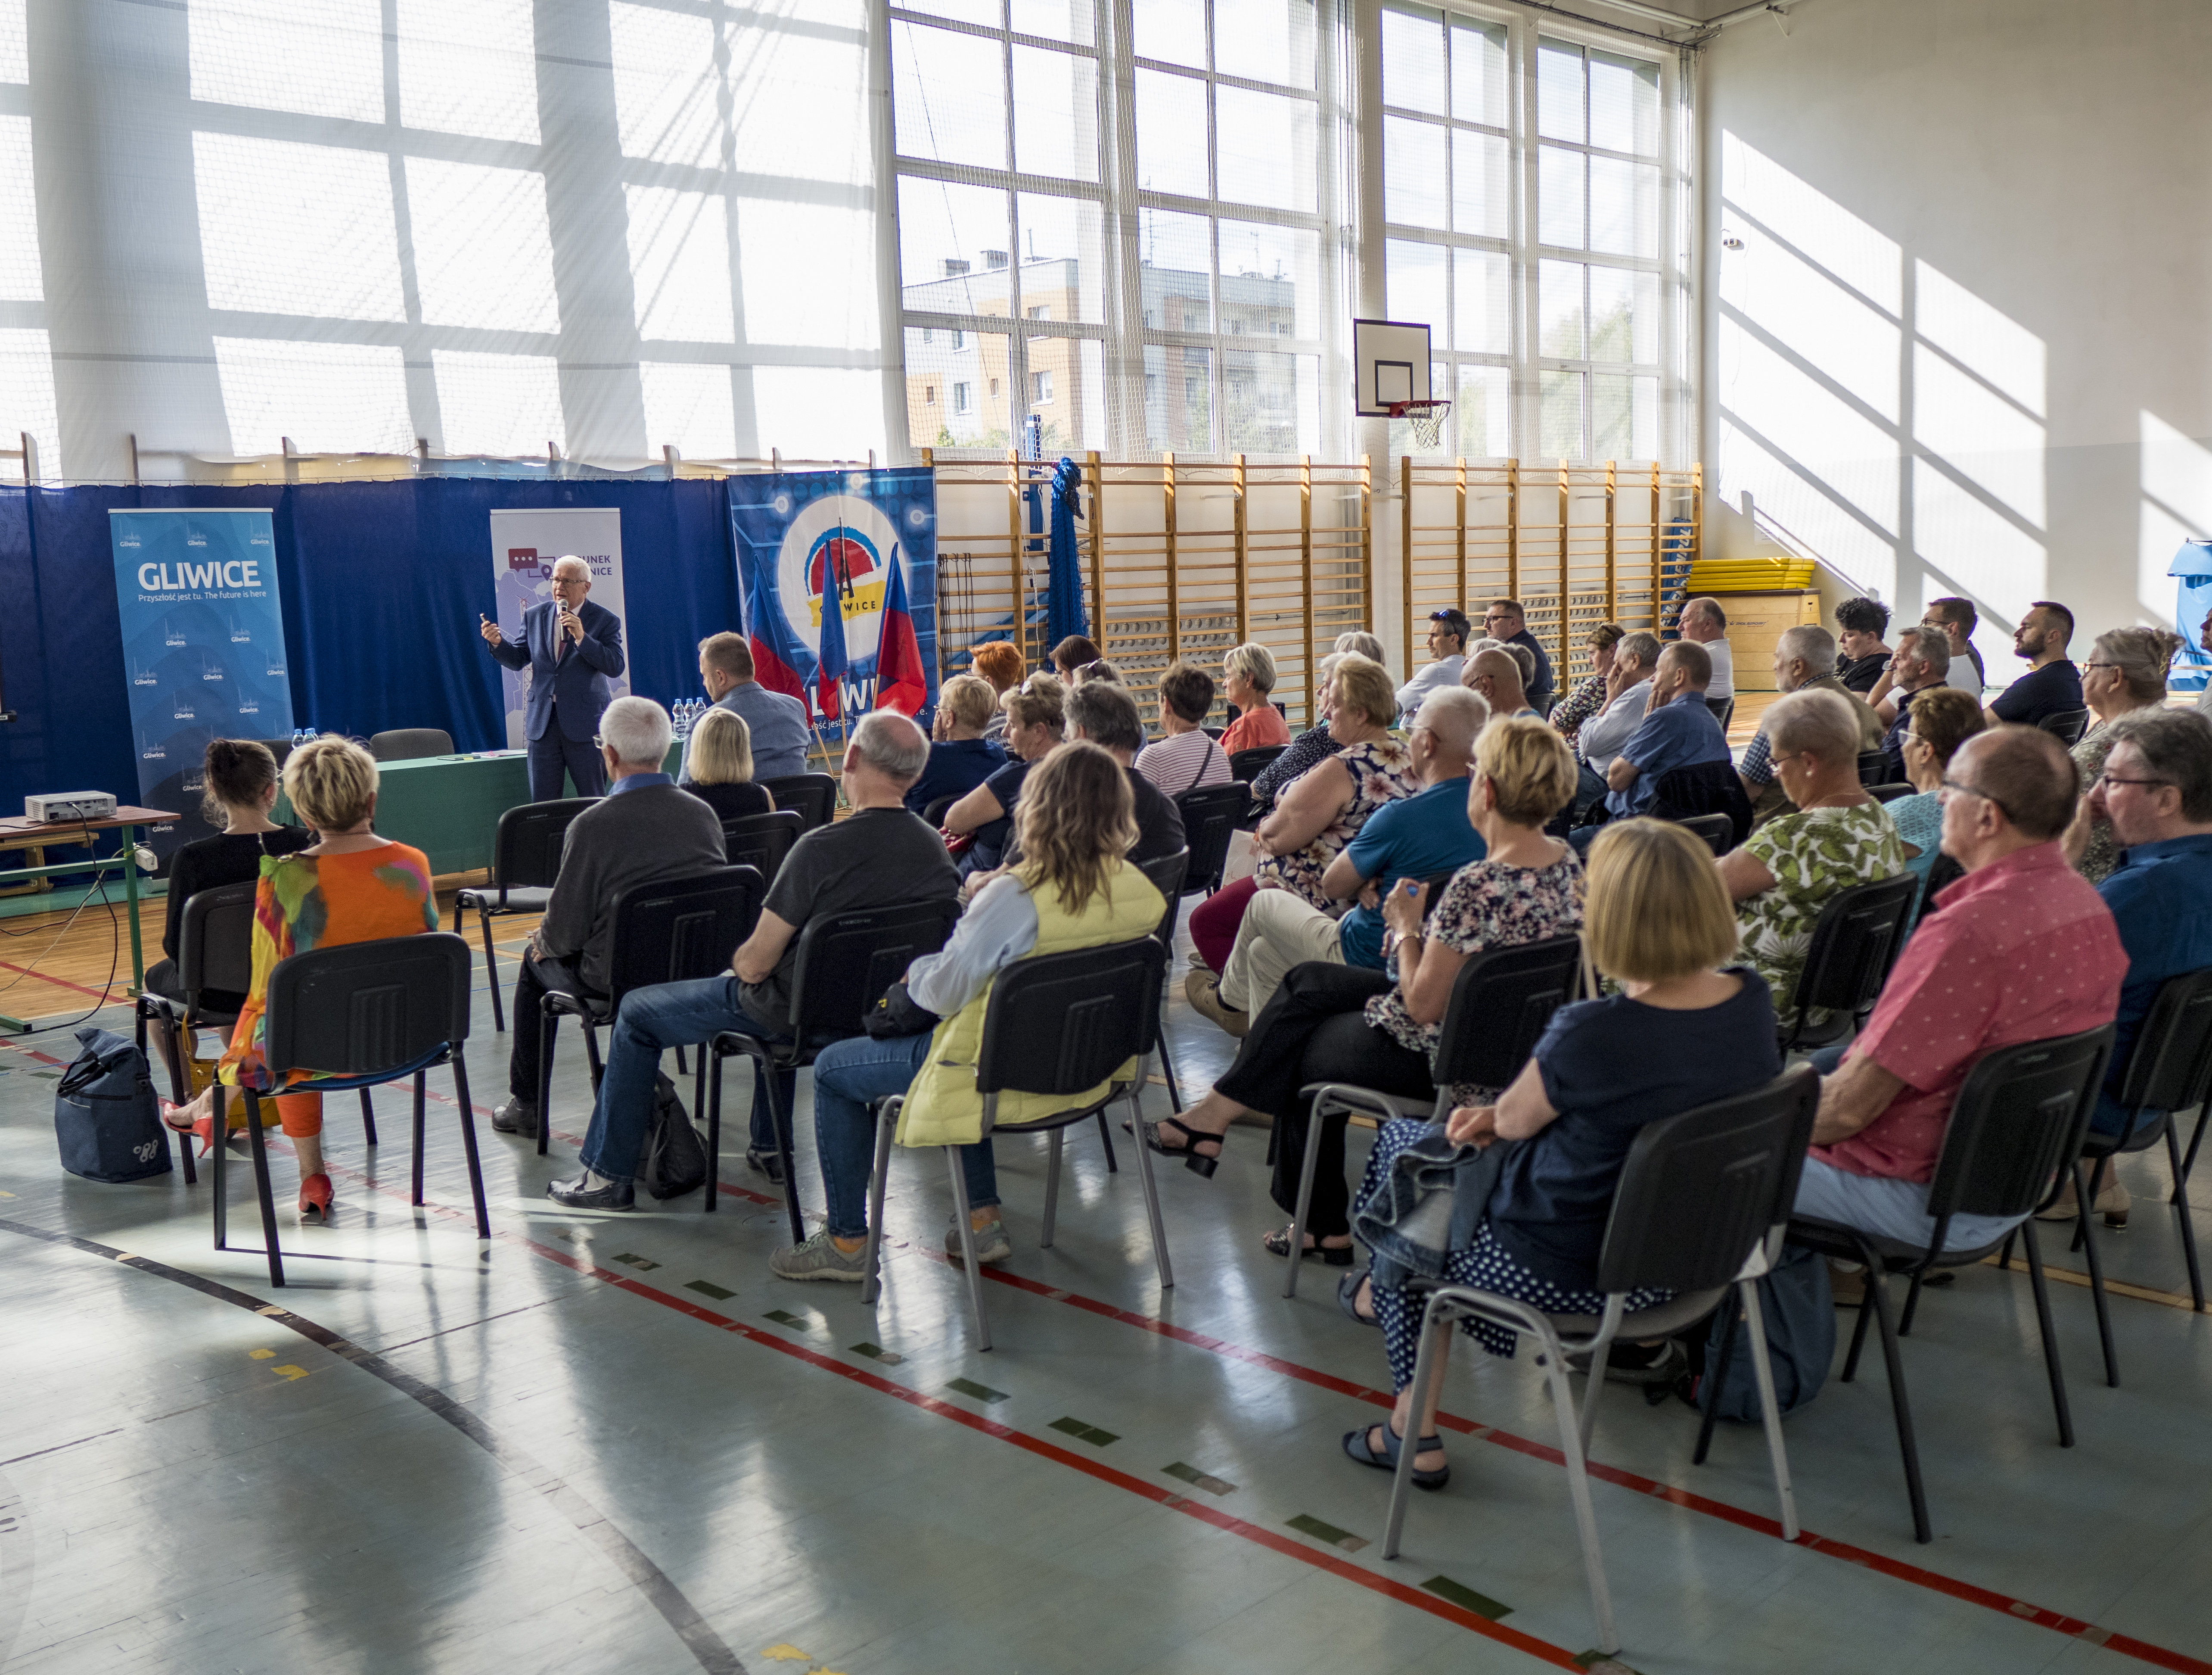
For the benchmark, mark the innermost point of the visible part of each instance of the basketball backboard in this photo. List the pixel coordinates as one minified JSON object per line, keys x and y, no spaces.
{"x":1390,"y":364}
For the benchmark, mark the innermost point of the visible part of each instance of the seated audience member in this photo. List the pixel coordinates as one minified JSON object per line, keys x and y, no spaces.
{"x":1447,"y":656}
{"x":1957,"y":617}
{"x":960,"y":757}
{"x":1036,"y":723}
{"x":2052,"y":685}
{"x":1353,"y":1024}
{"x":349,"y":885}
{"x":879,"y":856}
{"x":1416,"y":837}
{"x":2126,"y":673}
{"x":1505,"y":622}
{"x":776,"y":731}
{"x":1073,"y":889}
{"x":1915,"y":667}
{"x":1101,"y":670}
{"x":645,"y":829}
{"x":1184,"y":758}
{"x":1804,"y":659}
{"x":1860,"y":624}
{"x":1000,"y":663}
{"x":1599,"y":740}
{"x":1686,"y":1029}
{"x":1704,"y":622}
{"x":1316,"y":744}
{"x":2204,"y":644}
{"x":1071,"y":654}
{"x":718,"y":756}
{"x":1678,"y":731}
{"x":1941,"y":720}
{"x":1497,"y":676}
{"x":2022,"y":949}
{"x":1106,"y":714}
{"x":1589,"y":695}
{"x":1360,"y":640}
{"x":1831,"y":836}
{"x":1247,"y":675}
{"x":1321,"y":812}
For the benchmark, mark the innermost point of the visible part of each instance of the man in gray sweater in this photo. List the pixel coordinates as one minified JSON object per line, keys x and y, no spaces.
{"x":645,"y":829}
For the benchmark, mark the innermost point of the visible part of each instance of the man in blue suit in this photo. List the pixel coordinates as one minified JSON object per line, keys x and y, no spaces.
{"x":572,"y":649}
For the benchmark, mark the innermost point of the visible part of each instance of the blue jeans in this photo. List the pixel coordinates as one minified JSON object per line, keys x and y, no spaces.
{"x":668,"y":1014}
{"x":847,"y":1076}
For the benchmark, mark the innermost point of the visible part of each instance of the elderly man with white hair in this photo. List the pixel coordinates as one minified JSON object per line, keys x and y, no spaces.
{"x":572,"y":649}
{"x":1804,"y":661}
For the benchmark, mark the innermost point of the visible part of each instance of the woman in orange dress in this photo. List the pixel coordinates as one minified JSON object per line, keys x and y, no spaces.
{"x":351,"y":885}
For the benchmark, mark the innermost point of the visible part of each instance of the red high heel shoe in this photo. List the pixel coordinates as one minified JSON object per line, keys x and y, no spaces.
{"x":315,"y":1197}
{"x":202,"y":1130}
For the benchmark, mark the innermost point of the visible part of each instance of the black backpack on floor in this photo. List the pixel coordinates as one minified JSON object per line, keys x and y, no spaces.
{"x":675,"y":1158}
{"x":107,"y":1120}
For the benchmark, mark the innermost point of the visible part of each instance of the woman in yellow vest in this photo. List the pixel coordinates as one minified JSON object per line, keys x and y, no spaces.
{"x":1073,"y":889}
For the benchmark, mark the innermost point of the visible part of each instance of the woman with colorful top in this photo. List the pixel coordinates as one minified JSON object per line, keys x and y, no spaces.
{"x":1247,"y":675}
{"x":1784,"y":873}
{"x":350,"y":887}
{"x":1942,"y":719}
{"x":1307,"y":751}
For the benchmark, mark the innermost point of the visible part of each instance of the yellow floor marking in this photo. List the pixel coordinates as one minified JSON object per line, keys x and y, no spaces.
{"x":784,"y":1652}
{"x":262,"y":1355}
{"x":2179,"y":1299}
{"x":290,"y":1371}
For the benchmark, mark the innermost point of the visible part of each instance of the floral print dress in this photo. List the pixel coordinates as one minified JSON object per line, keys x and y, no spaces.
{"x":1812,"y":855}
{"x":1381,"y":772}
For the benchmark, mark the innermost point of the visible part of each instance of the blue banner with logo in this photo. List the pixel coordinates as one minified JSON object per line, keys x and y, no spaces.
{"x":798,"y":532}
{"x":203,"y":649}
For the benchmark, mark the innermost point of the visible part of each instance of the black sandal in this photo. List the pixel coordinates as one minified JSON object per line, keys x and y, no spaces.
{"x":1359,"y":1448}
{"x":1347,"y":1298}
{"x":1196,"y":1161}
{"x":1277,"y":1243}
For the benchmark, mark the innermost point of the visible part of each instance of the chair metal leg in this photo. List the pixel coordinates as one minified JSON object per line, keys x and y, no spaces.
{"x":1436,"y":1327}
{"x":1572,"y":1444}
{"x":682,"y":1069}
{"x":1770,"y":1408}
{"x":2083,"y":1201}
{"x":1878,"y":1294}
{"x":1106,"y":1139}
{"x":1305,"y":1198}
{"x":1167,"y":1070}
{"x":2004,"y":1257}
{"x":975,"y":1268}
{"x":545,"y":1079}
{"x":368,"y":1117}
{"x":220,"y":1128}
{"x":1716,"y":1369}
{"x":699,"y":1095}
{"x":2203,"y":1118}
{"x":468,"y":1116}
{"x":1859,"y":1329}
{"x":780,"y":1120}
{"x":1911,"y":1301}
{"x":2086,"y":1235}
{"x":421,"y":1093}
{"x":179,"y":1083}
{"x":591,"y":1054}
{"x":2050,"y":1336}
{"x":886,"y":1124}
{"x":1151,"y":1196}
{"x":491,"y":970}
{"x":713,"y":1106}
{"x":2180,"y":1207}
{"x":1052,"y":1150}
{"x":261,"y":1189}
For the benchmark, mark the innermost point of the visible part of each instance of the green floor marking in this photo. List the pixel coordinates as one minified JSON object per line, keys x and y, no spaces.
{"x":1198,"y":1479}
{"x":876,"y":1352}
{"x":708,"y":1289}
{"x":1090,"y":1434}
{"x":981,"y":1392}
{"x":631,"y":1259}
{"x":807,"y":1322}
{"x":1343,"y":1540}
{"x":1480,"y":1603}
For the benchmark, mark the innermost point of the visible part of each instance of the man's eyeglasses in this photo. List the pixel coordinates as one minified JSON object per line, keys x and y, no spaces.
{"x":2109,"y":778}
{"x":1950,"y":784}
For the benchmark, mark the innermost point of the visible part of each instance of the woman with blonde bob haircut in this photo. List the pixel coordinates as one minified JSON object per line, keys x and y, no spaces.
{"x":1683,"y":1030}
{"x":1037,"y":721}
{"x":1247,"y":675}
{"x":718,"y":756}
{"x":960,"y":757}
{"x":1073,"y":888}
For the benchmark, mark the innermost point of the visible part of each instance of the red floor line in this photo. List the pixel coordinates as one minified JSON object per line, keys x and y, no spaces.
{"x":107,"y":997}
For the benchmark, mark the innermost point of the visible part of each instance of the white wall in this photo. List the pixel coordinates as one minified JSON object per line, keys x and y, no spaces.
{"x":1967,"y":346}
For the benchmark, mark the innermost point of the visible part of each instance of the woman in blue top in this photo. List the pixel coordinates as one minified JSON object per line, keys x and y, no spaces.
{"x":960,"y":757}
{"x":1941,"y":720}
{"x":1682,"y":1031}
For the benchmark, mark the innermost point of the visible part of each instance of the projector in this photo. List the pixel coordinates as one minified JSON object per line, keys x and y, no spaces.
{"x":55,"y":807}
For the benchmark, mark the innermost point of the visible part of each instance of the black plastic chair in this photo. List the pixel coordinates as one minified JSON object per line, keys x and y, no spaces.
{"x":844,"y":963}
{"x":1244,"y":763}
{"x":812,"y":797}
{"x":1166,"y":874}
{"x":1703,"y":788}
{"x":1724,"y":710}
{"x":1699,"y":1208}
{"x":2067,"y":726}
{"x":761,"y":841}
{"x":935,"y":814}
{"x":1891,"y":792}
{"x":525,"y":852}
{"x":1057,"y":1025}
{"x":1873,"y":767}
{"x":1500,"y":1002}
{"x":1715,"y":831}
{"x":673,"y":930}
{"x":365,"y":1012}
{"x":1210,"y":814}
{"x":2015,"y":1132}
{"x":409,"y":744}
{"x":1855,"y":941}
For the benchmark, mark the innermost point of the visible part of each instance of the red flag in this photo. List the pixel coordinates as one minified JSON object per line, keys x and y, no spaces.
{"x":774,"y":660}
{"x":900,"y":684}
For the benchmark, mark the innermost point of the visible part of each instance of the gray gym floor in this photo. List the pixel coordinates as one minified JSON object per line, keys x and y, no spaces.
{"x":618,"y":1443}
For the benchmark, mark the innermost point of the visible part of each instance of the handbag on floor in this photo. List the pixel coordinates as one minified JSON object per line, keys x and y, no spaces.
{"x":675,"y":1160}
{"x":108,"y":1121}
{"x":1799,"y":1315}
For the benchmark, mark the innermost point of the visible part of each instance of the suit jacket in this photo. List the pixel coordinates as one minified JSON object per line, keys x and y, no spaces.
{"x":575,"y":686}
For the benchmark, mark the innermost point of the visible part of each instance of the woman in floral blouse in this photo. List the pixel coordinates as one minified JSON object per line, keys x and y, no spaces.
{"x":1341,"y":1023}
{"x":1310,"y":748}
{"x":1588,"y":695}
{"x":1785,"y":872}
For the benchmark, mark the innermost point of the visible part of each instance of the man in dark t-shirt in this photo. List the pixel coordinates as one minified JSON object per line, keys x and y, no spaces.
{"x":881,"y":856}
{"x":2052,"y":685}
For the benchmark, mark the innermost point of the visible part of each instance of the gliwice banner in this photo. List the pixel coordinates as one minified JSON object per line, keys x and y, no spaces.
{"x":798,"y":534}
{"x":203,"y":649}
{"x":524,"y":546}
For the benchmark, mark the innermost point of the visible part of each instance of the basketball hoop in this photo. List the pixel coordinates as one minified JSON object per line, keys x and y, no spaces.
{"x":1427,"y":419}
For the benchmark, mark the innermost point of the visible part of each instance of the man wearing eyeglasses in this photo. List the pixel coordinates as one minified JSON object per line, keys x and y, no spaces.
{"x":1447,"y":655}
{"x":2022,"y":949}
{"x":1505,"y":622}
{"x":572,"y":650}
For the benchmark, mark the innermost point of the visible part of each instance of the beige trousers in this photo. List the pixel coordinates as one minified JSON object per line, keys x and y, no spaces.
{"x":1280,"y":930}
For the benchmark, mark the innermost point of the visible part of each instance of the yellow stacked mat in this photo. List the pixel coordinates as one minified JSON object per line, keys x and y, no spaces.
{"x":1750,"y":575}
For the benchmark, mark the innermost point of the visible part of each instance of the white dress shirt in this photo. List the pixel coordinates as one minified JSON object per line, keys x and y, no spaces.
{"x":1444,"y":672}
{"x":1604,"y":733}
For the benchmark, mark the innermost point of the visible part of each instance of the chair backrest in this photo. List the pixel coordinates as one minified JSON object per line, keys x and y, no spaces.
{"x":405,"y":744}
{"x":1500,"y":1002}
{"x":676,"y":930}
{"x":761,"y":841}
{"x":1891,"y":792}
{"x":847,"y":961}
{"x":1167,"y":873}
{"x":1209,"y":821}
{"x":1243,"y":763}
{"x":2068,"y":725}
{"x":525,"y":850}
{"x":2019,"y":1118}
{"x":360,"y":1008}
{"x":1873,"y":766}
{"x":936,"y":811}
{"x":1715,"y":831}
{"x":1724,"y":710}
{"x":812,"y":797}
{"x":279,"y":748}
{"x":1062,"y":1023}
{"x":1703,"y":788}
{"x":1855,"y":941}
{"x":215,"y":944}
{"x":1701,"y":1188}
{"x":2169,"y":1066}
